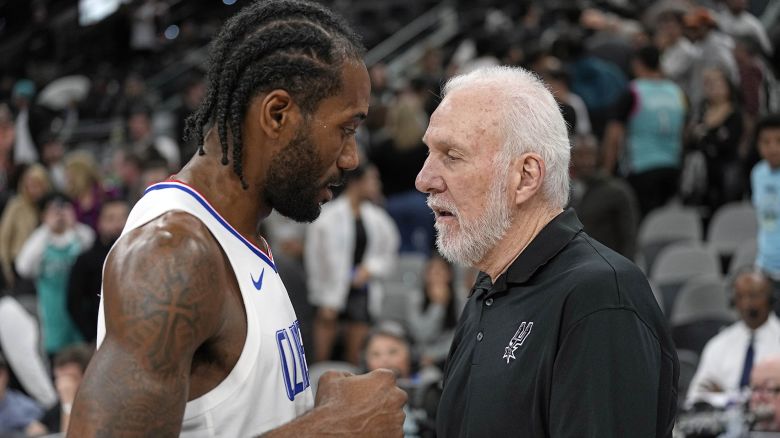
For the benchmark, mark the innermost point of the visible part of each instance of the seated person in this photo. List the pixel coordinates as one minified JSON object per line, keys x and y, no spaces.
{"x":764,"y":399}
{"x":728,"y":358}
{"x":433,"y":313}
{"x":69,"y":367}
{"x":387,"y":346}
{"x":18,"y":413}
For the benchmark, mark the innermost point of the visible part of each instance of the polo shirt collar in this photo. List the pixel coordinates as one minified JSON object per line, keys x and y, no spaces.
{"x":549,"y":242}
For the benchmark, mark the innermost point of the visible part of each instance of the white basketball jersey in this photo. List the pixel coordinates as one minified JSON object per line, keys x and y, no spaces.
{"x":269,"y":385}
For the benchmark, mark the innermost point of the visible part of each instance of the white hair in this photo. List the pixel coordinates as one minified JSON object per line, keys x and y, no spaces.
{"x":532,"y":122}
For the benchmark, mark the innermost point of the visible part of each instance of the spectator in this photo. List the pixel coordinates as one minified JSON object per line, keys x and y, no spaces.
{"x":765,"y":394}
{"x":715,"y":51}
{"x":736,"y":21}
{"x":52,"y":154}
{"x":434,"y":313}
{"x":678,"y":54}
{"x":47,"y":257}
{"x":387,"y":346}
{"x":758,"y":87}
{"x":152,"y":172}
{"x":18,"y":413}
{"x":128,"y":175}
{"x":607,"y":206}
{"x":648,"y":126}
{"x":20,"y":218}
{"x":716,"y":133}
{"x":86,"y":275}
{"x":727,"y":359}
{"x":352,"y":245}
{"x":558,"y":80}
{"x":148,"y":145}
{"x":84,"y":186}
{"x":765,"y":184}
{"x":398,"y":158}
{"x":599,"y":83}
{"x":69,"y":367}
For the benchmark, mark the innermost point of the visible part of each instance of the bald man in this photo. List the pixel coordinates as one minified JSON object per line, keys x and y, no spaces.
{"x":727,"y":359}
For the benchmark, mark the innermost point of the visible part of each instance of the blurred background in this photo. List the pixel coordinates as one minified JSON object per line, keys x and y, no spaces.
{"x":94,"y":95}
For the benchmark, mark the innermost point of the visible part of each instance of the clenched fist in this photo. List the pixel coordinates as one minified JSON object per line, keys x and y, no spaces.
{"x":368,"y":405}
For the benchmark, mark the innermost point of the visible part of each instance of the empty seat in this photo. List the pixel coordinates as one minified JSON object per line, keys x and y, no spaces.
{"x":700,"y":311}
{"x":678,"y":263}
{"x":406,"y":280}
{"x":666,"y":225}
{"x":731,"y":225}
{"x":702,"y":297}
{"x":744,"y":256}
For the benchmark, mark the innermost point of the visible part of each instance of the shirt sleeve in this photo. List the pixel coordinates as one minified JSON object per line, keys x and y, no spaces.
{"x":709,"y":371}
{"x":321,"y":278}
{"x":29,"y":259}
{"x":607,"y":377}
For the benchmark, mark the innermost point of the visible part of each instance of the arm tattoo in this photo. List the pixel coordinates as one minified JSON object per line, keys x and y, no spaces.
{"x":159,"y":309}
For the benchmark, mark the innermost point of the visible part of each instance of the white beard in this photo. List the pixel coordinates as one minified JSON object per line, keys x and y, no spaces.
{"x":474,"y":238}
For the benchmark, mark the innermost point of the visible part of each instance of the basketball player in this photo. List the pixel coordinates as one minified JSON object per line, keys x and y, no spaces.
{"x":196,"y":334}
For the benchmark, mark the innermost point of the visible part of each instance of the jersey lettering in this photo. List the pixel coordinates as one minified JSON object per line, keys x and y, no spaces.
{"x":295,"y":372}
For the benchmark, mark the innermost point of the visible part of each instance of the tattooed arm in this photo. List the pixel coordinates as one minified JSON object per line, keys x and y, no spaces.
{"x":159,"y":307}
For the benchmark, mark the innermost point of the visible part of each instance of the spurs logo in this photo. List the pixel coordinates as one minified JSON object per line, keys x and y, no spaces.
{"x":517,"y":340}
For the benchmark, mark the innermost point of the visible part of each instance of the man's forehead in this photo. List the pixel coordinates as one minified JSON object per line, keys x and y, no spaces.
{"x":464,"y":114}
{"x":443,"y":138}
{"x":354,"y":96}
{"x":767,"y":374}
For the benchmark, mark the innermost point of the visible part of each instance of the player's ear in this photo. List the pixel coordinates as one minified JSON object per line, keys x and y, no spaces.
{"x":276,"y":112}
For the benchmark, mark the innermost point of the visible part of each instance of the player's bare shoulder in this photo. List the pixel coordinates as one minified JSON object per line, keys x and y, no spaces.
{"x":158,"y":288}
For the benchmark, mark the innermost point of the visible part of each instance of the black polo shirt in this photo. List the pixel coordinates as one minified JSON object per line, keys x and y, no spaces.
{"x":569,"y":342}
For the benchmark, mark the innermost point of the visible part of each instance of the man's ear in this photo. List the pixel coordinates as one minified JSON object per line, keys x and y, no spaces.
{"x":275,"y":112}
{"x":529,"y":172}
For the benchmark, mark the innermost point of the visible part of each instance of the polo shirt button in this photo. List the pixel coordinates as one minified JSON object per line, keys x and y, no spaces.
{"x":489,"y":302}
{"x":480,"y":336}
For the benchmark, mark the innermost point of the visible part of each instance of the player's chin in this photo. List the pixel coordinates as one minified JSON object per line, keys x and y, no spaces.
{"x":301,"y":213}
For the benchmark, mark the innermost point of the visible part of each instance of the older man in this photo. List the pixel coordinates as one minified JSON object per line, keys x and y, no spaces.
{"x":560,"y":336}
{"x":728,"y":358}
{"x":765,"y":394}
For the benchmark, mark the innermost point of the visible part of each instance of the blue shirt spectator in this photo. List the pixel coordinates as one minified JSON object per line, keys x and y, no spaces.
{"x":766,"y":198}
{"x":765,"y":183}
{"x":17,"y":411}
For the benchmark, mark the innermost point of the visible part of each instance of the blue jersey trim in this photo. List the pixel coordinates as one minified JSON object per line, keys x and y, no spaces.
{"x":216,"y":216}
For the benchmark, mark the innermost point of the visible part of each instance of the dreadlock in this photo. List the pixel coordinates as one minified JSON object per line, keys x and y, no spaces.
{"x":294,"y":45}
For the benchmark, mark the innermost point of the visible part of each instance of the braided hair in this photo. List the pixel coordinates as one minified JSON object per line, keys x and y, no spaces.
{"x":294,"y":45}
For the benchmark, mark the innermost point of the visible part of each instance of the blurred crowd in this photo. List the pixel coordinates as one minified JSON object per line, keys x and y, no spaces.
{"x":667,"y":102}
